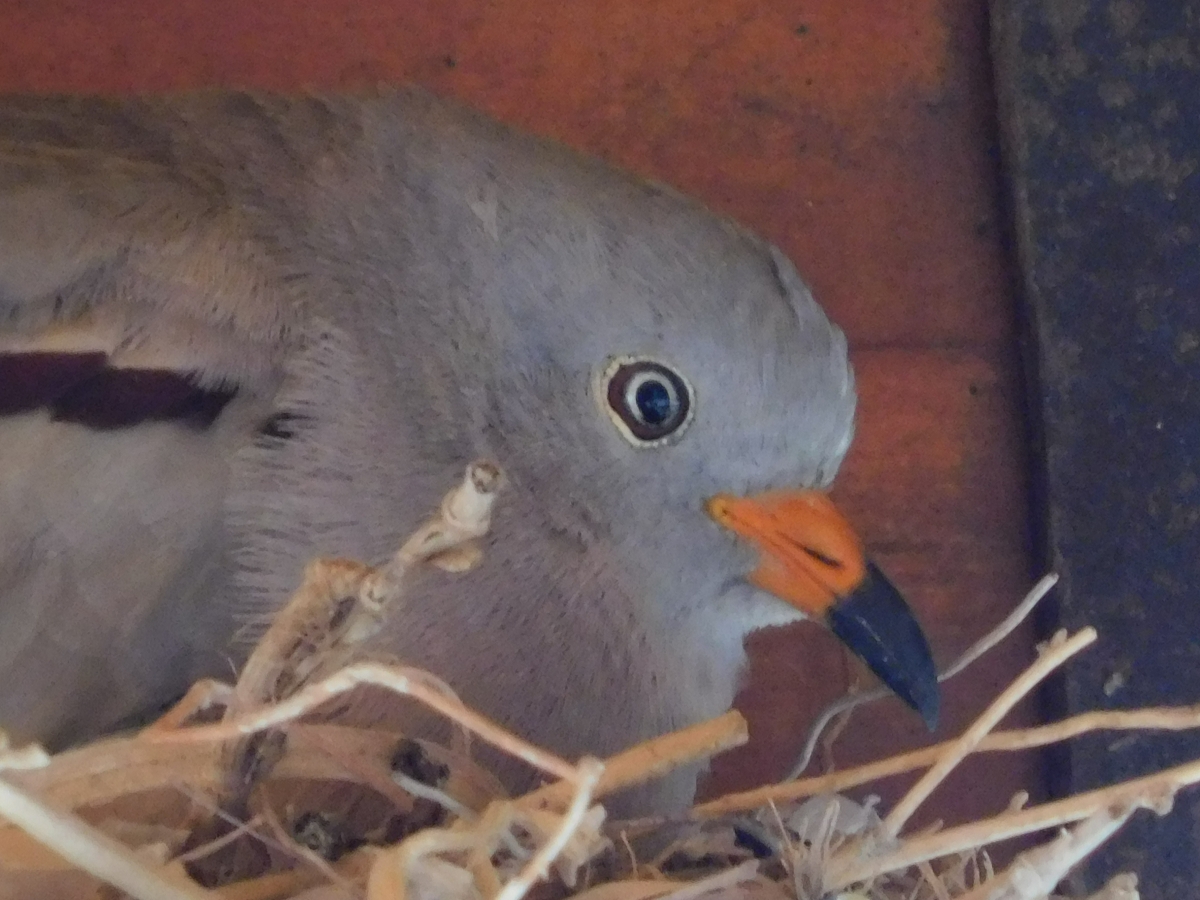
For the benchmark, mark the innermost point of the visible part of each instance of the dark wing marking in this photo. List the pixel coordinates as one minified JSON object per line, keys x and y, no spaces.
{"x":82,"y":388}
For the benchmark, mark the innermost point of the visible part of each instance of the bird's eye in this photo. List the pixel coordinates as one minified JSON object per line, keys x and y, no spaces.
{"x":649,"y":401}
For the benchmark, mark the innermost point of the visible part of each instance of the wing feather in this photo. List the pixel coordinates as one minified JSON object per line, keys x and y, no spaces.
{"x":142,"y":328}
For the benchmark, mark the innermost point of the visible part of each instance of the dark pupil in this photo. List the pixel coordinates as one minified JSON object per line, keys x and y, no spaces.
{"x":653,"y":402}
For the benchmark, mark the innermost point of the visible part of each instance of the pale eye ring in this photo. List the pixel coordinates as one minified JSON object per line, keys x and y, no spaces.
{"x":650,"y":402}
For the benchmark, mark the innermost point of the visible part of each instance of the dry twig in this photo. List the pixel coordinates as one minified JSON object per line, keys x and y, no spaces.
{"x":590,"y":771}
{"x":1035,"y":873}
{"x":1146,"y":792}
{"x":92,"y":850}
{"x":974,"y":652}
{"x":398,"y":681}
{"x":1160,"y":718}
{"x":1058,"y":651}
{"x":500,"y":853}
{"x":654,"y":758}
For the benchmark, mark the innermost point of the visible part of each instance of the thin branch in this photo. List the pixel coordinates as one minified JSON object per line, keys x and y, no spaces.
{"x":718,"y":881}
{"x":589,"y":774}
{"x":654,"y":758}
{"x":341,"y":603}
{"x":1147,"y":791}
{"x":203,"y":695}
{"x":236,"y":833}
{"x":307,"y":855}
{"x":361,"y":769}
{"x":24,"y":759}
{"x":350,"y":678}
{"x":1161,"y":718}
{"x":1119,"y":887}
{"x":976,"y":650}
{"x":1060,"y":649}
{"x":1035,"y":873}
{"x":92,"y":850}
{"x":433,"y":795}
{"x":388,"y":877}
{"x":1005,"y":628}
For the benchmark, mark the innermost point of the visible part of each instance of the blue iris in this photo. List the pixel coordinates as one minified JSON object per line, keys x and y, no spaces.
{"x":653,"y":402}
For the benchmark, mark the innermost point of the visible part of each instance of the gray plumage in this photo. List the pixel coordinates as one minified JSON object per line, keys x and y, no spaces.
{"x":389,"y":286}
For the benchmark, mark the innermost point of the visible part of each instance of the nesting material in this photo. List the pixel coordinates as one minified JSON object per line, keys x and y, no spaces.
{"x":253,"y":791}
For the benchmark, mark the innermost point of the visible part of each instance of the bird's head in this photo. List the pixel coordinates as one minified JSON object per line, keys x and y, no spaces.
{"x":682,"y":398}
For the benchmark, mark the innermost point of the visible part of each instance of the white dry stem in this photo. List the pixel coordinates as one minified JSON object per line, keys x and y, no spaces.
{"x":1161,"y":718}
{"x":819,"y":836}
{"x":586,"y":778}
{"x":237,"y":831}
{"x":932,"y":881}
{"x":653,"y":758}
{"x":92,"y":850}
{"x":1119,"y":887}
{"x":439,"y":880}
{"x":493,"y":829}
{"x":390,"y":874}
{"x":432,"y":794}
{"x":446,"y":540}
{"x":1058,"y":651}
{"x":409,"y":867}
{"x":1035,"y":873}
{"x":283,"y":838}
{"x":336,"y":744}
{"x":203,"y":695}
{"x":395,"y":680}
{"x":316,"y":632}
{"x":31,"y":756}
{"x":976,"y":650}
{"x":340,"y":604}
{"x":718,"y":881}
{"x":1150,"y":791}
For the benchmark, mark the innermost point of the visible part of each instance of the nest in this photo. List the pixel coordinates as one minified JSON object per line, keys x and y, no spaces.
{"x":253,"y":791}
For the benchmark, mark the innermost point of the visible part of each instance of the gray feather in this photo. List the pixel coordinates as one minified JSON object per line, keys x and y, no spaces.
{"x":408,"y":286}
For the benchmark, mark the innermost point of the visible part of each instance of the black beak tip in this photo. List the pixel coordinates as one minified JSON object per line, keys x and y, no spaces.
{"x":927,"y":703}
{"x":876,"y":623}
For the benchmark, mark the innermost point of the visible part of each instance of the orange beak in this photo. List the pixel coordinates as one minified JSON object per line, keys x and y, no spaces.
{"x":812,"y":559}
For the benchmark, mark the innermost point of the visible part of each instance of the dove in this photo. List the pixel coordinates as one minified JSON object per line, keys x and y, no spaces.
{"x":239,"y":331}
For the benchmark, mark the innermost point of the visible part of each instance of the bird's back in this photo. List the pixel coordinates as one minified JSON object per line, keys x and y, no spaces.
{"x":145,"y":321}
{"x":237,"y":332}
{"x":208,"y":377}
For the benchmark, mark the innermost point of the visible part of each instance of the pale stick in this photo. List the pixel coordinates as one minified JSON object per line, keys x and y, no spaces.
{"x":653,"y":758}
{"x":1057,"y":652}
{"x":1161,"y":718}
{"x":1037,"y":872}
{"x":92,"y":850}
{"x":1148,"y":790}
{"x":589,"y":773}
{"x":350,"y":678}
{"x":976,"y":650}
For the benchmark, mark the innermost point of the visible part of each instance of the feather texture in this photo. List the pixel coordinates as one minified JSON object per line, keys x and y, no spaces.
{"x":238,"y":331}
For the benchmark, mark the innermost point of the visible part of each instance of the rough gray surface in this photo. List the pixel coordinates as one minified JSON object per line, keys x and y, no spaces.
{"x":1100,"y":108}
